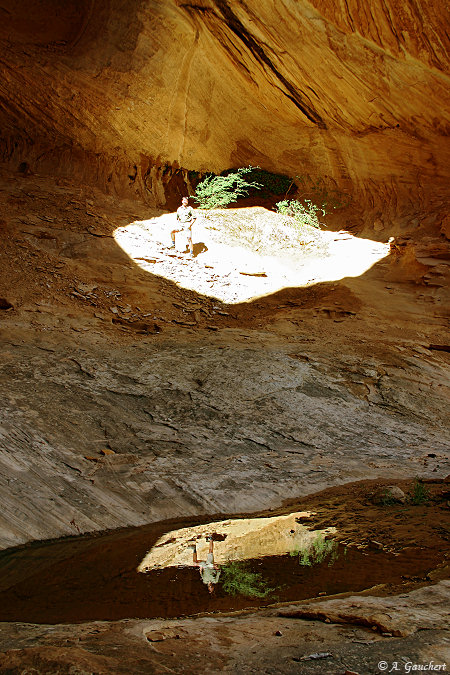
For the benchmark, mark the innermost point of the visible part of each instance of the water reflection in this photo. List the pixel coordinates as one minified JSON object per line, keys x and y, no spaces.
{"x":224,"y":544}
{"x":317,"y":551}
{"x":209,"y":570}
{"x":240,"y":580}
{"x":246,"y":563}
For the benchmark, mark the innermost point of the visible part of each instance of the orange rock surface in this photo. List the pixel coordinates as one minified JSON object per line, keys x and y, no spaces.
{"x":131,"y":96}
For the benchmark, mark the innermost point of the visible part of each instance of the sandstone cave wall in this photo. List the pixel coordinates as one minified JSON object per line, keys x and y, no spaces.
{"x":130,"y":95}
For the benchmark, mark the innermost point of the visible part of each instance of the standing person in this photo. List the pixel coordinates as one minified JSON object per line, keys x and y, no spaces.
{"x":209,"y":571}
{"x":185,"y":219}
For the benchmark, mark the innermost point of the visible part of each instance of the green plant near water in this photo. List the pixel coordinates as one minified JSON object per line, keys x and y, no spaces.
{"x":420,"y":493}
{"x":215,"y":192}
{"x":317,"y":551}
{"x":238,"y":579}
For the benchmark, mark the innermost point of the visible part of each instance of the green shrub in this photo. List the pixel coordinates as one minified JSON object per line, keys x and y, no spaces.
{"x":237,"y":579}
{"x":218,"y":191}
{"x":305,"y":558}
{"x":317,"y":551}
{"x":304,"y":213}
{"x":420,"y":493}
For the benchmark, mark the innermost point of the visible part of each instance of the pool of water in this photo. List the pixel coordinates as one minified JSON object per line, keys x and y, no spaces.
{"x":97,"y":578}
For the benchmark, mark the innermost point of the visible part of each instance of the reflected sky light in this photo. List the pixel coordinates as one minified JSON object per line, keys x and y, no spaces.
{"x":235,"y":273}
{"x":238,"y":539}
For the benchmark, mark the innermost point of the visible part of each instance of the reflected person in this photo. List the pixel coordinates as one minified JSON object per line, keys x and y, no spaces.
{"x":209,"y":570}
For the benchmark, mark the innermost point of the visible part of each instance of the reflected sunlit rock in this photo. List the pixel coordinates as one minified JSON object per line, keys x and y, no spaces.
{"x":239,"y":539}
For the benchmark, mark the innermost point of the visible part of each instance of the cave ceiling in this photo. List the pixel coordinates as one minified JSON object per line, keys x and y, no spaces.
{"x":116,"y":93}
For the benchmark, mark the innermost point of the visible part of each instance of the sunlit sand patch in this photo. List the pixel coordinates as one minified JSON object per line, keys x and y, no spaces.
{"x":239,"y":539}
{"x":234,"y":272}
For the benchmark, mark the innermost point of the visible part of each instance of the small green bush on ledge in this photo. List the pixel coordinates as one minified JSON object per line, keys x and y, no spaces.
{"x":304,"y":213}
{"x":215,"y":192}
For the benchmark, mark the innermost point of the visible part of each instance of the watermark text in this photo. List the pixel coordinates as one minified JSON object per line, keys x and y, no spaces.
{"x":411,"y":667}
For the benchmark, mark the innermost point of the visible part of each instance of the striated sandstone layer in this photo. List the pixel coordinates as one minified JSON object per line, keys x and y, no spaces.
{"x":127,"y":398}
{"x":130,"y":96}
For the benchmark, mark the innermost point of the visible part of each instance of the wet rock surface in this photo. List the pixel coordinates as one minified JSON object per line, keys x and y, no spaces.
{"x":156,"y":570}
{"x":390,"y":615}
{"x":263,"y":642}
